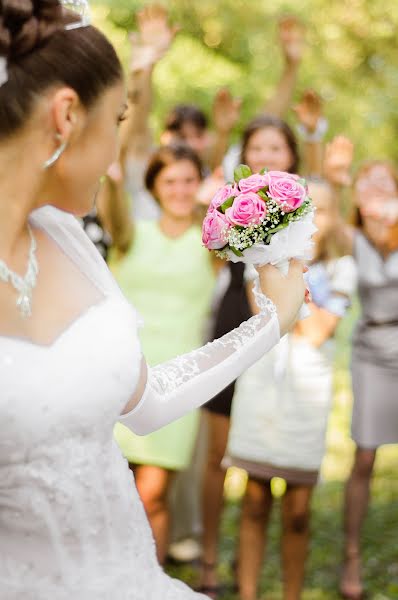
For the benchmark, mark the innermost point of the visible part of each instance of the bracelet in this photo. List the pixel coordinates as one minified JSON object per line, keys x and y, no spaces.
{"x":316,"y":136}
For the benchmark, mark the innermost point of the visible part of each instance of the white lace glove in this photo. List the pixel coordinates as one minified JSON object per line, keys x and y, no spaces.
{"x":180,"y":385}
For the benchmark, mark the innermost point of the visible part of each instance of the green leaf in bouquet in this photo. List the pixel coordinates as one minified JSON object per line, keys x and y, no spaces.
{"x":236,"y":251}
{"x":278,"y":228}
{"x":242,"y":172}
{"x":262,"y":194}
{"x":264,"y":171}
{"x":227,"y":204}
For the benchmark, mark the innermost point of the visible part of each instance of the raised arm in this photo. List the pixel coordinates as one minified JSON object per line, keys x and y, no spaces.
{"x":331,"y":300}
{"x":226,"y":113}
{"x":292,"y":42}
{"x":312,"y":129}
{"x":187,"y":382}
{"x":113,"y":205}
{"x":149,"y":45}
{"x":339,"y":154}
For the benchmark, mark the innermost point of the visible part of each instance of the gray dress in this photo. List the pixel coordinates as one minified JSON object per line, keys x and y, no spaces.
{"x":375,"y":348}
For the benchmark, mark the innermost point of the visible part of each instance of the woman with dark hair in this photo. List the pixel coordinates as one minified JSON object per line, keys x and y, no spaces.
{"x":70,"y":358}
{"x":267,"y":142}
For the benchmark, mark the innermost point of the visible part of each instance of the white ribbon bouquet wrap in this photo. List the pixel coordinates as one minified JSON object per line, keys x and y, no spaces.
{"x":265,"y":218}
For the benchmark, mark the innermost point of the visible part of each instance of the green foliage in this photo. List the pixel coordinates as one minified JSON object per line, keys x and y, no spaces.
{"x":241,"y":172}
{"x":227,"y":204}
{"x":351,"y":59}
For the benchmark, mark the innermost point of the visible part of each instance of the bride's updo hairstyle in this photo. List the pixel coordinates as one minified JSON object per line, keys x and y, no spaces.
{"x":42,"y":54}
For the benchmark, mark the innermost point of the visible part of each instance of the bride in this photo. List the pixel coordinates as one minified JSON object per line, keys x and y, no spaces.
{"x":71,"y":523}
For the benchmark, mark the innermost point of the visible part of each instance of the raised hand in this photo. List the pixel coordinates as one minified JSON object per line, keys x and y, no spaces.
{"x":154,"y":38}
{"x":292,"y":39}
{"x":115,"y":172}
{"x":339,"y":155}
{"x":210,"y":186}
{"x":309,"y":110}
{"x":226,"y":111}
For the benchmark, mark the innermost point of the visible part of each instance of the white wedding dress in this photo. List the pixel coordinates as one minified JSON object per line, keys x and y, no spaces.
{"x":71,"y":523}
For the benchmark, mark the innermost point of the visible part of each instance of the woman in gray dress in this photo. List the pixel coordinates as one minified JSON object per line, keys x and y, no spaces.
{"x":373,"y":241}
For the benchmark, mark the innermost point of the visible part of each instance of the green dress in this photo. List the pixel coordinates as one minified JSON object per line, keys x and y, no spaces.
{"x":170,"y":282}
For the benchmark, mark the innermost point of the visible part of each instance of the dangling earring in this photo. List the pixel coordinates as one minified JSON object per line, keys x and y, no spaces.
{"x":57,"y":154}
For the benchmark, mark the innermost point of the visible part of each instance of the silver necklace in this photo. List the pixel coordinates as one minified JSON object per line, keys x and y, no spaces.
{"x":23,"y":285}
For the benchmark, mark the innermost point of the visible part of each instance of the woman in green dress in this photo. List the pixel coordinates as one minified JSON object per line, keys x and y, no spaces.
{"x":166,"y":273}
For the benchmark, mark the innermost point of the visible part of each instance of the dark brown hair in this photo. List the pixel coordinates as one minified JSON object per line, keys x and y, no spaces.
{"x":185,"y":113}
{"x":166,"y":156}
{"x":268,"y":121}
{"x":41,"y":53}
{"x":355,"y":218}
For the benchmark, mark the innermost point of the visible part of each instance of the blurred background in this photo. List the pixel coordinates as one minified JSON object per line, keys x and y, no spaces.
{"x":351,"y":59}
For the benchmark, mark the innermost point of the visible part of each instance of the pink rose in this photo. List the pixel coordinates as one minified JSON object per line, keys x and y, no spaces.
{"x":247,"y":209}
{"x":254,"y":183}
{"x":214,"y":230}
{"x":286,"y":189}
{"x":228,"y":191}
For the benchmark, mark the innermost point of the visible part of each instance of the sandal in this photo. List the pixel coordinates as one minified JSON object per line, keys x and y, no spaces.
{"x":212,"y":591}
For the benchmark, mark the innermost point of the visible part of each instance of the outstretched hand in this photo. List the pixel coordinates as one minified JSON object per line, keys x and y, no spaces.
{"x":226,"y":111}
{"x":292,"y":39}
{"x":339,"y":155}
{"x":309,"y":110}
{"x":154,"y":38}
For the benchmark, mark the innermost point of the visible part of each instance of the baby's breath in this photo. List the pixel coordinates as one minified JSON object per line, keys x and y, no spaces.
{"x":240,"y":238}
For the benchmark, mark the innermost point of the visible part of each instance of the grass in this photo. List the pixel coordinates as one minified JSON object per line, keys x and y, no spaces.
{"x":380,"y":535}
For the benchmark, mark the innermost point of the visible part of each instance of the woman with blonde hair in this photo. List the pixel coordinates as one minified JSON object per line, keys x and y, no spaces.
{"x":373,"y":241}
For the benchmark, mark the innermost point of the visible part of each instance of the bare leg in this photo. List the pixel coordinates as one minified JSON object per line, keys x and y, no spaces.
{"x":213,"y":495}
{"x":357,"y":496}
{"x":256,"y":509}
{"x":153,"y":484}
{"x":295,"y":537}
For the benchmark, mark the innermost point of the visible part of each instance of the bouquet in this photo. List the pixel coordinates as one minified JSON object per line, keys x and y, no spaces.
{"x":264,"y":218}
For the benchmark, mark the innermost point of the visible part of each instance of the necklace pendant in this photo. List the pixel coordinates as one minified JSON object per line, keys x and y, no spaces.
{"x":23,"y":285}
{"x":24,"y":304}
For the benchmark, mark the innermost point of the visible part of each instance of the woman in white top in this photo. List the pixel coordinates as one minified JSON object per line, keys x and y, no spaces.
{"x":70,"y":358}
{"x":280,"y":411}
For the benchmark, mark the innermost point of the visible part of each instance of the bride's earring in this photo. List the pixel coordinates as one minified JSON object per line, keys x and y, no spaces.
{"x":57,"y":154}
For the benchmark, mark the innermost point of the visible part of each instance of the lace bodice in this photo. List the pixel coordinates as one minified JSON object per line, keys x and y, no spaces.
{"x":71,"y":522}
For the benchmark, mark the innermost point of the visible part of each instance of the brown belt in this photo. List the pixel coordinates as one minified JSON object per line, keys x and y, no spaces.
{"x":391,"y":323}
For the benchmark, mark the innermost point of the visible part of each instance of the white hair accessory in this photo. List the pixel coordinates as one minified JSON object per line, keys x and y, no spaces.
{"x":80,"y":7}
{"x":3,"y":70}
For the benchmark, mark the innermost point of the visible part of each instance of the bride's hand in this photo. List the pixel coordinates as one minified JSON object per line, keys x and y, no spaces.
{"x":287,"y":292}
